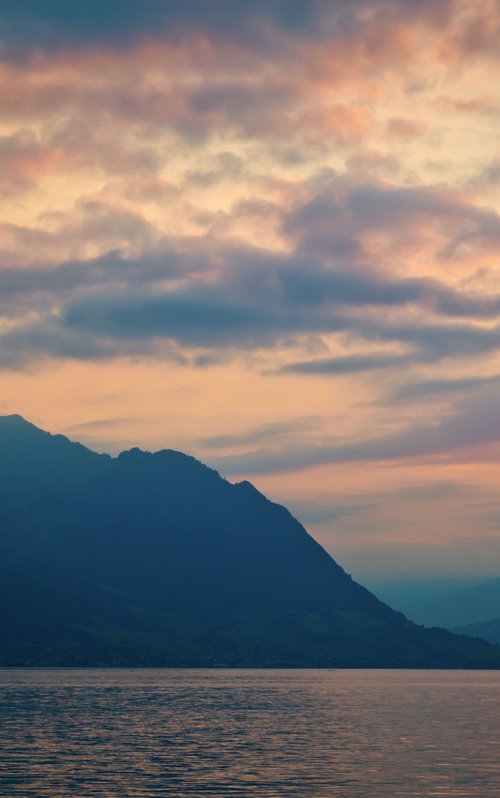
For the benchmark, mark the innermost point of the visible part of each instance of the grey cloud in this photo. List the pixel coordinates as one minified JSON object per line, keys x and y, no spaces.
{"x":333,"y":221}
{"x":148,"y":316}
{"x":110,"y":269}
{"x":238,"y":100}
{"x":220,"y":297}
{"x":54,"y":23}
{"x":437,"y":340}
{"x":476,"y":423}
{"x":31,"y":24}
{"x":22,"y":347}
{"x":191,"y":317}
{"x":359,"y":286}
{"x":226,"y":165}
{"x":209,"y":317}
{"x":265,"y":432}
{"x":229,"y":298}
{"x":254,"y":106}
{"x":97,"y":223}
{"x":420,"y":389}
{"x":349,"y":364}
{"x":31,"y":346}
{"x":99,"y":424}
{"x":28,"y":153}
{"x":317,"y":512}
{"x":490,"y":176}
{"x":27,"y":25}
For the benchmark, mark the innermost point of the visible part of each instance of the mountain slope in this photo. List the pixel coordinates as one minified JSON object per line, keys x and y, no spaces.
{"x":154,"y":559}
{"x":487,"y":630}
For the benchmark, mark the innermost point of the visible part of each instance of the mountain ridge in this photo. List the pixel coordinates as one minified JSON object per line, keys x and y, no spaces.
{"x":486,"y":630}
{"x":155,"y":559}
{"x":449,"y":607}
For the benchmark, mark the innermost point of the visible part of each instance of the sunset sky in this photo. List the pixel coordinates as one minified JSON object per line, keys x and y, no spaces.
{"x":266,"y":234}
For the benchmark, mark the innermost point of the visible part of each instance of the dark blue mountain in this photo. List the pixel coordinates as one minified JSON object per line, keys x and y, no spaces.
{"x":154,"y":559}
{"x":447,"y":603}
{"x":487,"y":630}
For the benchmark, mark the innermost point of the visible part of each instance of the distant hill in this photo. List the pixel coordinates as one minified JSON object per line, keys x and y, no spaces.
{"x":155,"y":560}
{"x":448,"y":603}
{"x":445,"y":604}
{"x":488,"y":630}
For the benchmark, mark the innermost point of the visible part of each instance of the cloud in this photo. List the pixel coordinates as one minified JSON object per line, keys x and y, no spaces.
{"x":341,"y":217}
{"x":99,"y":424}
{"x":53,"y":22}
{"x":39,"y":342}
{"x":27,"y":157}
{"x":229,"y":298}
{"x":439,"y":388}
{"x":316,"y":512}
{"x":348,"y":364}
{"x":463,"y":556}
{"x":66,"y":238}
{"x":225,"y":166}
{"x":319,"y":286}
{"x":191,"y":318}
{"x":193,"y":91}
{"x":27,"y":24}
{"x":474,"y":423}
{"x":403,"y":128}
{"x":273,"y":431}
{"x":22,"y":159}
{"x":386,"y":508}
{"x":476,"y":105}
{"x":111,"y":269}
{"x":119,"y":85}
{"x":276,"y":194}
{"x":436,"y":340}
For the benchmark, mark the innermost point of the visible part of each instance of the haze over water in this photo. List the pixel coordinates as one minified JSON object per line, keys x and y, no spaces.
{"x":352,"y":734}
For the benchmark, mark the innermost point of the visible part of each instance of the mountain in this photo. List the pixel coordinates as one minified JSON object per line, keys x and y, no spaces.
{"x":154,"y":559}
{"x":444,"y":603}
{"x":487,"y":630}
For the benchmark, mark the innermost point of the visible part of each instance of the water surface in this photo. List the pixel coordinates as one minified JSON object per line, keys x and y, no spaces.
{"x":194,"y":733}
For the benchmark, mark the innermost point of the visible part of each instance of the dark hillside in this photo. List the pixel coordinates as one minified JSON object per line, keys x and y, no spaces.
{"x":154,"y":559}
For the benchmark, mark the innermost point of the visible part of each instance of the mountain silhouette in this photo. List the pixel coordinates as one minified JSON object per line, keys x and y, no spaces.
{"x":448,"y":603}
{"x":487,"y":630}
{"x":469,"y":605}
{"x":155,"y":560}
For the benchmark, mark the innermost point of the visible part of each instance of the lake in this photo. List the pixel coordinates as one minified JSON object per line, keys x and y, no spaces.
{"x":266,"y":733}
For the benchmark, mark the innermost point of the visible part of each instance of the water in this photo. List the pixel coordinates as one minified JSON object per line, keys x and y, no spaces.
{"x":194,"y":733}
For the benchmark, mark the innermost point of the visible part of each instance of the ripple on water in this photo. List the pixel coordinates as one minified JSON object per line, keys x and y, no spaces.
{"x":324,"y":734}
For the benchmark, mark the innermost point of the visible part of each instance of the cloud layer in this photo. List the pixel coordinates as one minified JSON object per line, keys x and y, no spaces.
{"x":300,"y":201}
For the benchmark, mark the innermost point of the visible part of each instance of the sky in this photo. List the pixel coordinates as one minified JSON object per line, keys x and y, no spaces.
{"x":266,"y":234}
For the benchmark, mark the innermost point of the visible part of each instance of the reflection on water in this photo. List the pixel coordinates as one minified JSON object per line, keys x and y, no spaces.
{"x":193,"y":733}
